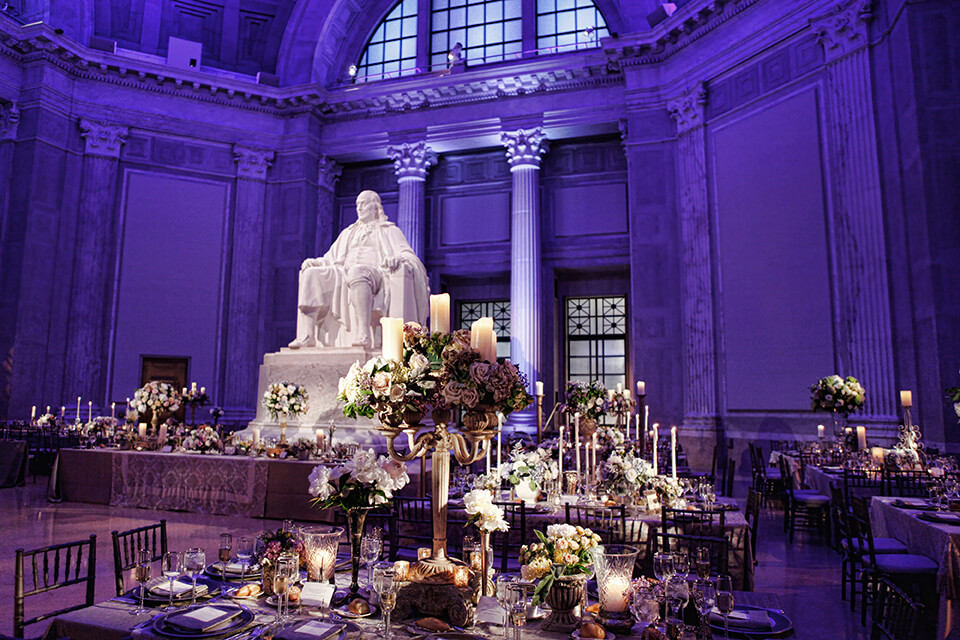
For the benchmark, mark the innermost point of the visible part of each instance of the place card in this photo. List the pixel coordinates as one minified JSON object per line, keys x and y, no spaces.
{"x":317,"y":594}
{"x":314,"y":630}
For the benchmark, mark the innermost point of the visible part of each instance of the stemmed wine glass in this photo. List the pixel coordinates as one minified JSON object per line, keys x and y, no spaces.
{"x":370,"y":549}
{"x":224,"y":554}
{"x":288,"y":568}
{"x":172,"y":568}
{"x":517,"y":602}
{"x":703,"y":562}
{"x":244,"y":554}
{"x":503,"y":584}
{"x":706,"y":597}
{"x":142,"y":574}
{"x":644,"y":605}
{"x":681,"y":564}
{"x":386,"y":585}
{"x":725,"y":601}
{"x":194,"y":561}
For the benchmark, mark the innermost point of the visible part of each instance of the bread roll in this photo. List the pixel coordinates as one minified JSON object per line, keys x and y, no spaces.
{"x":651,"y":633}
{"x":592,"y":630}
{"x":593,"y":608}
{"x":248,"y":591}
{"x":294,"y":594}
{"x":433,"y":624}
{"x":359,"y":607}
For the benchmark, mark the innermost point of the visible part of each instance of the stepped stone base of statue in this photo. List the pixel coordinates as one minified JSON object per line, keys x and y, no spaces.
{"x":319,"y":369}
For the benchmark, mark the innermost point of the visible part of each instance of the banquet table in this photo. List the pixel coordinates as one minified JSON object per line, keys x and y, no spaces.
{"x":939,"y":542}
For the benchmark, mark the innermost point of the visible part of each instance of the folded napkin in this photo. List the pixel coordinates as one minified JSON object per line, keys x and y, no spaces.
{"x":743,"y":619}
{"x":316,"y":594}
{"x":203,"y":619}
{"x":314,"y":630}
{"x":179,"y":588}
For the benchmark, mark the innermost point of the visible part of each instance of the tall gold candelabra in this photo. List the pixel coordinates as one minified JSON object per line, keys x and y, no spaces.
{"x":468,"y":445}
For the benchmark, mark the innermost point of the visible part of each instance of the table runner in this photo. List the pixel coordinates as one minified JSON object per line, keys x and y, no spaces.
{"x":189,"y":482}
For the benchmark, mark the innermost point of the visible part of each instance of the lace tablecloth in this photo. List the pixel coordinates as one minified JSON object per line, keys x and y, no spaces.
{"x":197,"y":483}
{"x":939,"y":542}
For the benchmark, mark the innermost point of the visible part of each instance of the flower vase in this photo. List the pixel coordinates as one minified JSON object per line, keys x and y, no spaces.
{"x":565,"y":594}
{"x":283,"y":429}
{"x":356,"y":518}
{"x":155,"y":420}
{"x":486,"y":559}
{"x":839,"y":424}
{"x":527,"y":493}
{"x":268,"y":570}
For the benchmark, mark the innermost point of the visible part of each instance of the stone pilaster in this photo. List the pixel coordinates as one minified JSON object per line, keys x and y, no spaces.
{"x":863,"y":323}
{"x":328,"y":172}
{"x":410,"y":164}
{"x":243,"y":310}
{"x":9,"y":122}
{"x":96,"y":221}
{"x":700,"y":407}
{"x":524,"y":151}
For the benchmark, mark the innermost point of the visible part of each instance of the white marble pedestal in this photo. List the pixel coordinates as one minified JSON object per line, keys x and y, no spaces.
{"x":319,"y":369}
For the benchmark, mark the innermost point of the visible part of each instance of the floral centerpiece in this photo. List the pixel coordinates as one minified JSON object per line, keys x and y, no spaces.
{"x":528,"y":471}
{"x":487,"y":481}
{"x":839,"y":396}
{"x":624,"y":474}
{"x":157,"y":397}
{"x":620,"y":402}
{"x":303,"y":448}
{"x":285,"y":399}
{"x":393,"y":391}
{"x":270,"y":545}
{"x":610,"y":438}
{"x":203,"y":439}
{"x":587,"y":399}
{"x":47,"y":420}
{"x":669,"y":489}
{"x":487,"y":518}
{"x":363,"y":482}
{"x":560,"y":563}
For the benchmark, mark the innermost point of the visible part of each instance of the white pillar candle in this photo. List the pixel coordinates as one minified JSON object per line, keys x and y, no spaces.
{"x":33,"y":413}
{"x":162,"y":438}
{"x":319,"y":436}
{"x":560,"y":462}
{"x":641,"y":388}
{"x":906,"y":399}
{"x":392,"y":338}
{"x":862,"y":438}
{"x":499,"y":439}
{"x":78,"y":408}
{"x":203,"y":390}
{"x":619,"y":387}
{"x":673,"y":450}
{"x":481,"y":339}
{"x":656,"y":436}
{"x":440,"y":313}
{"x":593,"y":466}
{"x":193,"y":387}
{"x":820,"y":431}
{"x":492,"y":347}
{"x":48,"y":410}
{"x":256,"y":436}
{"x":143,"y":430}
{"x":90,"y":411}
{"x":576,"y":439}
{"x":615,"y":596}
{"x":183,"y":392}
{"x":538,"y":385}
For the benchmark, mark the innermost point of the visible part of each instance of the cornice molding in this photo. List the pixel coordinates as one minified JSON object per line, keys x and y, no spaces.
{"x":252,"y":163}
{"x":844,"y":29}
{"x":411,"y":161}
{"x":102,"y":139}
{"x":689,"y":109}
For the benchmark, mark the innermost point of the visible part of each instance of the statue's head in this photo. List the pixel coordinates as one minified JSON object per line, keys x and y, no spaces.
{"x":369,"y":208}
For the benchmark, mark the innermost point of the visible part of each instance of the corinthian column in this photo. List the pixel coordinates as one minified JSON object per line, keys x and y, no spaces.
{"x":524,"y":150}
{"x":863,"y":324}
{"x":243,"y":317}
{"x":85,"y":362}
{"x":410,"y":164}
{"x":699,"y":350}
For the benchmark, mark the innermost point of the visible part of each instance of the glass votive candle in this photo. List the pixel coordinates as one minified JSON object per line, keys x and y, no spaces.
{"x":476,"y":559}
{"x":614,"y":566}
{"x":424,"y":552}
{"x":401,"y":570}
{"x":461,"y":576}
{"x":320,"y":551}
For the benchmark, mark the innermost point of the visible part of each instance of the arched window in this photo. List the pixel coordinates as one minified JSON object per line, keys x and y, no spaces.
{"x":392,"y":49}
{"x":487,"y":31}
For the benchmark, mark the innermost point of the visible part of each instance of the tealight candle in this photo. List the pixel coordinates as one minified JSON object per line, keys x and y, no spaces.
{"x":906,"y":399}
{"x":461,"y":576}
{"x":401,"y":569}
{"x":424,"y":552}
{"x":476,"y":560}
{"x":615,"y":595}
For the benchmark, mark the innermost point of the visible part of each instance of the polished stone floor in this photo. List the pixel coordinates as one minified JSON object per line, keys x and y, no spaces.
{"x":805,"y":574}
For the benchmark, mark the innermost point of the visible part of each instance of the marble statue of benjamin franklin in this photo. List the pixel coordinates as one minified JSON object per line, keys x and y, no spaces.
{"x":370,"y":271}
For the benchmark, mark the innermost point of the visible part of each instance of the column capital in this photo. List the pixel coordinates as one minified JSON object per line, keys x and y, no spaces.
{"x":689,"y":109}
{"x":525,"y":148}
{"x":844,"y":29}
{"x":411,"y":161}
{"x":252,"y":163}
{"x":102,"y":139}
{"x":9,"y":121}
{"x":328,"y":172}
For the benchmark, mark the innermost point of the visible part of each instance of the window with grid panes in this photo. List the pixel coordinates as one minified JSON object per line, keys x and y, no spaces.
{"x":597,"y":339}
{"x":499,"y":310}
{"x":392,"y":49}
{"x":565,"y":25}
{"x":488,"y":30}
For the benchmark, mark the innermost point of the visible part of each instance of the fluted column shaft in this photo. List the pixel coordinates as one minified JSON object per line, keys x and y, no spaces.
{"x":85,"y":362}
{"x":411,"y":162}
{"x":243,"y":316}
{"x":524,"y":151}
{"x":699,"y":345}
{"x":328,"y":172}
{"x":864,"y":325}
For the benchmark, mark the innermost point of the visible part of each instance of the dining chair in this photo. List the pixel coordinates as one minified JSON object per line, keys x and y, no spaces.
{"x":693,"y":522}
{"x":610,"y":523}
{"x":509,"y":542}
{"x":905,"y":568}
{"x":126,"y":544}
{"x":752,"y":515}
{"x":410,"y":527}
{"x":50,"y":568}
{"x":729,"y":473}
{"x":803,"y":508}
{"x":907,"y":483}
{"x":719,"y":547}
{"x":861,"y":482}
{"x":895,"y":616}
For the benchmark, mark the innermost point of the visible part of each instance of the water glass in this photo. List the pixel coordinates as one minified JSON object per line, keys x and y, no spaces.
{"x":706,"y":597}
{"x":663,"y":566}
{"x":681,"y":564}
{"x":244,"y":555}
{"x":503,"y":584}
{"x":172,"y":568}
{"x":370,"y":549}
{"x":644,"y":605}
{"x":194,"y":561}
{"x":142,"y":573}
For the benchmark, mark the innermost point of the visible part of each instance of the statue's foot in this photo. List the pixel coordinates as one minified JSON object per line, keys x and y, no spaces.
{"x":306,"y":341}
{"x":366,"y":343}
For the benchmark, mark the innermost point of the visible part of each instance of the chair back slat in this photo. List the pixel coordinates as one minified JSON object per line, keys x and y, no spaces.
{"x":77,"y":568}
{"x":610,"y":523}
{"x":895,"y":615}
{"x":719,"y":547}
{"x":126,"y":544}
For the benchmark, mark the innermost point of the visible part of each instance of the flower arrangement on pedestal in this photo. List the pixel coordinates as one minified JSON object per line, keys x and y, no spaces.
{"x":282,"y":399}
{"x":587,"y":399}
{"x":203,"y":439}
{"x":559,"y":556}
{"x":157,"y":397}
{"x":839,"y":396}
{"x":528,"y":470}
{"x":620,"y":402}
{"x":393,"y":391}
{"x":487,"y":518}
{"x":624,"y":474}
{"x":610,"y":438}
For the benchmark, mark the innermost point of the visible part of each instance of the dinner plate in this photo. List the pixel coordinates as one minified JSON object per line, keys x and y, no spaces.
{"x":576,"y":634}
{"x":150,"y":597}
{"x":213,"y":571}
{"x":781,"y":623}
{"x":918,"y":506}
{"x":454,"y":635}
{"x":161,"y":627}
{"x":952,"y":519}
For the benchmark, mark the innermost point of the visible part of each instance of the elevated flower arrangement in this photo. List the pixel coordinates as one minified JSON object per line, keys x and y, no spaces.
{"x":588,"y":399}
{"x":282,"y":399}
{"x":528,"y":471}
{"x":625,"y":475}
{"x":838,"y":396}
{"x":158,"y":397}
{"x":203,"y":439}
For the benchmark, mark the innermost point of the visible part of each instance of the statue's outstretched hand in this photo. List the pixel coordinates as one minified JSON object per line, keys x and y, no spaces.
{"x":311,"y":262}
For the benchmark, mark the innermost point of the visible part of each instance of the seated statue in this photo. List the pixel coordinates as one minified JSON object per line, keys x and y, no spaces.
{"x":370,"y":271}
